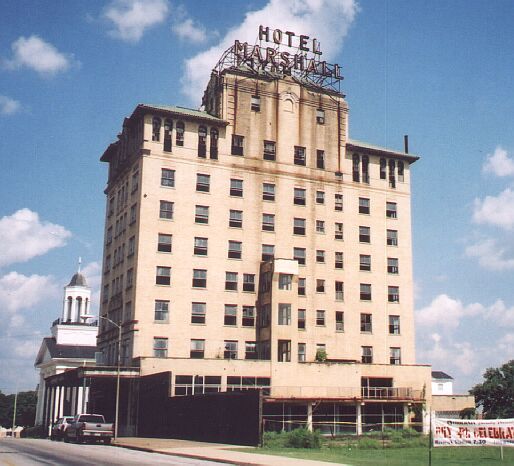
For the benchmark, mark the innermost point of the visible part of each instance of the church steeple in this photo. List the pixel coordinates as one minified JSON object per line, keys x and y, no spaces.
{"x":77,"y":299}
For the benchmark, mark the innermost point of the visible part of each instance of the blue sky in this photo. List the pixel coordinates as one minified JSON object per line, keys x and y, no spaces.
{"x":439,"y":71}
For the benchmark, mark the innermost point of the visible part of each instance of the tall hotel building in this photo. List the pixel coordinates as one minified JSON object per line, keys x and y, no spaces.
{"x":254,"y":244}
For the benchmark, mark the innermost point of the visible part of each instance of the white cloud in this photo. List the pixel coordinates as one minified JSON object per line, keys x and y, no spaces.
{"x":490,"y":255}
{"x":500,"y":313}
{"x":495,"y":210}
{"x":18,"y":291}
{"x":38,"y":55}
{"x":23,"y":236}
{"x":499,"y":163}
{"x":326,"y":20}
{"x":8,"y":106}
{"x":132,"y":18}
{"x":187,"y":29}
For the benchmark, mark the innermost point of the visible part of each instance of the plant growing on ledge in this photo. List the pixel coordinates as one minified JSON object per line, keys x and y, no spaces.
{"x":321,"y":355}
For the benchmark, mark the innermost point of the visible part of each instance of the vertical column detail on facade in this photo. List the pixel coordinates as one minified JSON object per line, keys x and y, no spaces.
{"x":358,"y":410}
{"x":309,"y":416}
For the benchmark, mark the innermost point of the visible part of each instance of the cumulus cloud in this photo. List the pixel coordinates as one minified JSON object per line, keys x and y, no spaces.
{"x":185,"y":28}
{"x":327,"y":20}
{"x":8,"y":106}
{"x":36,"y":54}
{"x":499,"y":163}
{"x":132,"y":18}
{"x":24,"y":236}
{"x":445,"y":312}
{"x":490,"y":255}
{"x":495,"y":210}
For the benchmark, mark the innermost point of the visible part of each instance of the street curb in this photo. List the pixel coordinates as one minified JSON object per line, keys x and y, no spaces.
{"x":186,"y":455}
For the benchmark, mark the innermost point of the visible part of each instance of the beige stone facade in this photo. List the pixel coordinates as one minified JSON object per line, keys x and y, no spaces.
{"x":255,"y":244}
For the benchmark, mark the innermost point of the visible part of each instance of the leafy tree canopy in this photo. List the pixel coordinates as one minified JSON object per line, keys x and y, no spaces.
{"x":496,"y":393}
{"x":25,"y":409}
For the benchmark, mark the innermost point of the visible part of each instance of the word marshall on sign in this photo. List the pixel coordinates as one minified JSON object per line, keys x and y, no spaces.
{"x":470,"y":432}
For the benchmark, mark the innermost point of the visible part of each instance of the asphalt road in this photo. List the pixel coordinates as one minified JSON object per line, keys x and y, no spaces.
{"x":31,"y":452}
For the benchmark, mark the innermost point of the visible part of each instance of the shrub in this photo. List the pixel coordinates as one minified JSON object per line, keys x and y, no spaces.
{"x":274,"y":439}
{"x":369,"y":443}
{"x":34,"y":432}
{"x":303,"y":438}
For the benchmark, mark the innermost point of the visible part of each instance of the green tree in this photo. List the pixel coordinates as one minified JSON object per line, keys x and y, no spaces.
{"x":496,"y":393}
{"x":25,"y":409}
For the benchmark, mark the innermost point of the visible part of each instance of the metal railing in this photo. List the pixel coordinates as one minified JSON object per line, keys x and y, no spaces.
{"x":60,"y":321}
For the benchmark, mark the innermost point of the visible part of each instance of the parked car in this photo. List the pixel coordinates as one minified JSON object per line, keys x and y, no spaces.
{"x":58,"y":429}
{"x":89,"y":427}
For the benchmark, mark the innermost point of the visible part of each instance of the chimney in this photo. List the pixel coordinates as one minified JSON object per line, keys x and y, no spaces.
{"x":406,"y":143}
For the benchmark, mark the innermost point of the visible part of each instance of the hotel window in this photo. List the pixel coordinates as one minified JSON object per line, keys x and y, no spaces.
{"x":163,"y":243}
{"x":199,"y":278}
{"x":299,"y":255}
{"x":235,"y":249}
{"x":213,"y":152}
{"x":392,"y":237}
{"x":391,"y":210}
{"x":284,"y":314}
{"x":156,"y":129}
{"x":383,"y":167}
{"x":200,"y":248}
{"x":197,"y":350}
{"x":135,"y":186}
{"x":203,"y":182}
{"x":202,"y":142}
{"x":163,"y":275}
{"x":339,"y":321}
{"x":338,"y":202}
{"x":268,"y":192}
{"x":284,"y":350}
{"x":236,"y":187}
{"x":364,"y":234}
{"x":320,"y":116}
{"x":320,"y":256}
{"x":339,"y":231}
{"x":339,"y":289}
{"x":394,"y":325}
{"x":393,"y":294}
{"x":365,"y":292}
{"x":231,"y":281}
{"x":268,"y":252}
{"x":248,"y":316}
{"x":230,"y":349}
{"x":255,"y":103}
{"x":235,"y":219}
{"x":339,"y":260}
{"x":301,"y":286}
{"x":268,"y":222}
{"x":166,"y":210}
{"x":320,"y":159}
{"x":249,"y":282}
{"x":299,"y":226}
{"x":301,"y":352}
{"x":168,"y":126}
{"x":198,"y":312}
{"x":160,"y":347}
{"x":320,"y":318}
{"x":365,"y":263}
{"x":167,"y":177}
{"x":320,"y":197}
{"x":365,"y":169}
{"x":301,"y":319}
{"x":131,"y":246}
{"x":230,"y":316}
{"x":356,"y":168}
{"x":201,"y":214}
{"x":401,"y":169}
{"x":285,"y":281}
{"x":161,"y":310}
{"x":320,"y":226}
{"x":392,"y":265}
{"x":237,"y":144}
{"x":363,"y":205}
{"x":299,"y":196}
{"x":366,"y":323}
{"x":392,"y":179}
{"x":133,"y":214}
{"x":395,"y":356}
{"x":250,"y":350}
{"x":299,"y":155}
{"x":320,"y":285}
{"x":367,"y":354}
{"x":179,"y":135}
{"x":270,"y":150}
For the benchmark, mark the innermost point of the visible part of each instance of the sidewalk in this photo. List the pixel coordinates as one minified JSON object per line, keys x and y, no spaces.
{"x":211,"y":451}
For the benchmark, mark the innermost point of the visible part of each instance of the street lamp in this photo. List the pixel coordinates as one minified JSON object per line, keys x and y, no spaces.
{"x":117,"y":376}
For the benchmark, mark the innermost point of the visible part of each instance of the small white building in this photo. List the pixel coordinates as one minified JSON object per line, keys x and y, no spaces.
{"x":72,"y":344}
{"x":442,"y":383}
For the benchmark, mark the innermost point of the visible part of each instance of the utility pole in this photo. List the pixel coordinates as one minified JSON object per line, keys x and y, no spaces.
{"x":14,"y":411}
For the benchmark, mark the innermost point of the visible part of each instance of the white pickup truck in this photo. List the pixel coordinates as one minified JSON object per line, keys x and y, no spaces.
{"x":89,"y":427}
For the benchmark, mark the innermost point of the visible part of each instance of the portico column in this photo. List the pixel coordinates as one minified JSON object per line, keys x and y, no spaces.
{"x":55,"y":404}
{"x":406,"y":420}
{"x":309,"y":416}
{"x":358,"y":418}
{"x":80,"y":398}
